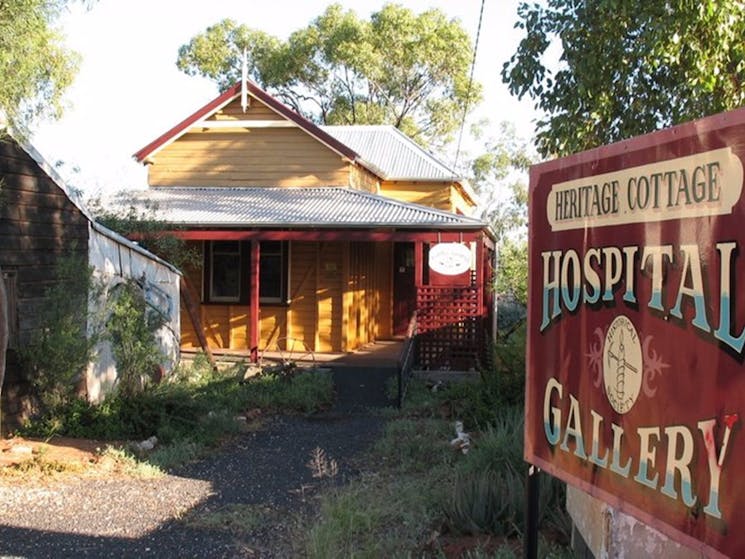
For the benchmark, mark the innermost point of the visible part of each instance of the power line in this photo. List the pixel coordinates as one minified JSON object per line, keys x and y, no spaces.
{"x":470,"y":86}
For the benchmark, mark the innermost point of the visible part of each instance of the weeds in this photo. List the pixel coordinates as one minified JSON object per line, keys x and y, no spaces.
{"x":321,"y":466}
{"x":417,"y":488}
{"x":37,"y":466}
{"x":235,"y":518}
{"x":194,"y":412}
{"x":486,"y":503}
{"x":127,"y":464}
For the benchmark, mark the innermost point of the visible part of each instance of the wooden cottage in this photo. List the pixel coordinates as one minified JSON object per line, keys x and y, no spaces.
{"x":319,"y":234}
{"x":42,"y":222}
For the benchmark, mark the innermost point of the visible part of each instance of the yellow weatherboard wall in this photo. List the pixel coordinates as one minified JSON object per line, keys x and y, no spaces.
{"x":340,"y":299}
{"x":246,"y":156}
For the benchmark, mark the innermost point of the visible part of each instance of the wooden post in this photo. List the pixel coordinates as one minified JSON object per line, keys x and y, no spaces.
{"x":193,"y":311}
{"x":418,"y":264}
{"x":481,"y":274}
{"x":254,"y":325}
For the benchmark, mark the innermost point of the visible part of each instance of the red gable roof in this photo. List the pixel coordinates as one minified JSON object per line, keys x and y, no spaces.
{"x":225,"y":98}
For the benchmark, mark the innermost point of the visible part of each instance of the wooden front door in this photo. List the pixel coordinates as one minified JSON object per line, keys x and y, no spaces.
{"x":404,"y":288}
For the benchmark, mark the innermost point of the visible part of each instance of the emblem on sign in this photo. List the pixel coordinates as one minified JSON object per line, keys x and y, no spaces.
{"x":622,"y":364}
{"x":450,"y":259}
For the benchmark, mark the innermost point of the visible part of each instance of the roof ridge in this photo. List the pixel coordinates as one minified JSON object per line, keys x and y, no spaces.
{"x":359,"y":126}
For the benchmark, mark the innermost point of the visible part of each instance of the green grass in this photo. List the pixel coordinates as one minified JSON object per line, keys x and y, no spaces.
{"x":384,"y":512}
{"x":234,"y":518}
{"x":375,"y":516}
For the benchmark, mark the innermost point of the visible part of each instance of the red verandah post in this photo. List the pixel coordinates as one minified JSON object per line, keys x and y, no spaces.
{"x":254,"y":303}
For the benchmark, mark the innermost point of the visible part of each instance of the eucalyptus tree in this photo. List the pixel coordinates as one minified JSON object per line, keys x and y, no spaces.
{"x":400,"y":68}
{"x":35,"y":65}
{"x":606,"y":70}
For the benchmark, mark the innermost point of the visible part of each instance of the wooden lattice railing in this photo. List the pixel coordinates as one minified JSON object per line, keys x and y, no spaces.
{"x":450,"y":323}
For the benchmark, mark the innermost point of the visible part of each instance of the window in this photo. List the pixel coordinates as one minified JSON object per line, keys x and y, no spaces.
{"x":227,"y":272}
{"x":272,"y":272}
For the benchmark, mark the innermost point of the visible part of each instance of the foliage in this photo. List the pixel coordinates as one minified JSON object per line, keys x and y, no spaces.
{"x":151,"y":232}
{"x":235,"y":518}
{"x":414,"y":445}
{"x":499,"y":177}
{"x":414,"y":487}
{"x":35,"y":65}
{"x":512,"y":271}
{"x":131,"y":327}
{"x":58,"y":352}
{"x":38,"y":465}
{"x":398,"y":68}
{"x":194,"y":411}
{"x":626,"y":67}
{"x":499,"y":445}
{"x":129,"y":465}
{"x":508,"y":376}
{"x":385,"y":512}
{"x":484,"y":502}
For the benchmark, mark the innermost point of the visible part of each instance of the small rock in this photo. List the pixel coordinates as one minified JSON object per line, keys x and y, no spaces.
{"x":20,"y":449}
{"x":253,"y":414}
{"x":145,"y":446}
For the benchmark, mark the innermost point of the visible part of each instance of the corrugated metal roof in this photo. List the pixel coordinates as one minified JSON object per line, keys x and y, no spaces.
{"x":287,"y":208}
{"x":393,"y":153}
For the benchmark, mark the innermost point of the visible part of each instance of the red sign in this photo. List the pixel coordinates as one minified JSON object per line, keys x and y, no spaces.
{"x":635,"y":378}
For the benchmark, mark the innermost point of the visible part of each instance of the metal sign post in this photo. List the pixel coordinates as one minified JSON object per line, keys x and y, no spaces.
{"x":532,"y":500}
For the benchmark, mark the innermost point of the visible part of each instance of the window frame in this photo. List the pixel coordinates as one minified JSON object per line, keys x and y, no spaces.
{"x":244,"y":286}
{"x":284,"y":275}
{"x":209,"y":274}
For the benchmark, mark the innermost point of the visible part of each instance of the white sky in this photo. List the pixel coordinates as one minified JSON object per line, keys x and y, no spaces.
{"x":129,"y":90}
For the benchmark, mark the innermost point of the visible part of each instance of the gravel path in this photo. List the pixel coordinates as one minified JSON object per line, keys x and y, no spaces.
{"x":239,"y":502}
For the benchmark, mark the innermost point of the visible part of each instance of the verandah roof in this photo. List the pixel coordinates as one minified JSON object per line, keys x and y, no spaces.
{"x":275,"y":207}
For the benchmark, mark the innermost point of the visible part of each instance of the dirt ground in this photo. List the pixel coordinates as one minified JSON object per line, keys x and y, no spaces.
{"x":76,"y":453}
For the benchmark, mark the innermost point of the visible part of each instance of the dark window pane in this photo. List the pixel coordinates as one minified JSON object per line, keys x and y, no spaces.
{"x":226,"y":271}
{"x":270,"y":276}
{"x":273,"y":268}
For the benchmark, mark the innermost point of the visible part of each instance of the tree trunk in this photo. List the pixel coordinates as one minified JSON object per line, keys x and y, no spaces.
{"x":3,"y":338}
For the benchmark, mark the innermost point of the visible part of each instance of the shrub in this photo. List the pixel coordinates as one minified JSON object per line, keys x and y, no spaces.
{"x":489,"y":502}
{"x":507,"y":377}
{"x":58,"y":352}
{"x":131,"y":328}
